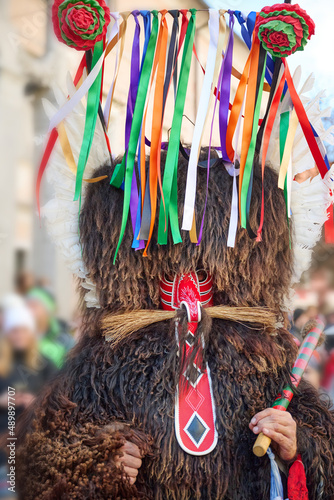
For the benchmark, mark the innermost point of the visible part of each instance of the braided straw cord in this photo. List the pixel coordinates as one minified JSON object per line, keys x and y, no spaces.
{"x":117,"y":327}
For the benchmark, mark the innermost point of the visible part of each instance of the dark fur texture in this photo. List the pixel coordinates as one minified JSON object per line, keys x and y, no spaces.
{"x":66,"y":456}
{"x":68,"y":451}
{"x":249,"y":274}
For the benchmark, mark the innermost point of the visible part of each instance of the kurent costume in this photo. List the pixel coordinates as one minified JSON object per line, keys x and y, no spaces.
{"x":184,"y":338}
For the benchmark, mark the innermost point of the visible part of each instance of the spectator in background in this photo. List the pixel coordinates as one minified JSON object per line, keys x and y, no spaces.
{"x":300,"y":318}
{"x":11,"y":300}
{"x":55,"y":339}
{"x":22,"y":367}
{"x":329,"y":330}
{"x":328,"y":379}
{"x":25,"y":281}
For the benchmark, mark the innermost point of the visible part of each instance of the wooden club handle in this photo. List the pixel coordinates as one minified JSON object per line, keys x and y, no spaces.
{"x":261,"y":445}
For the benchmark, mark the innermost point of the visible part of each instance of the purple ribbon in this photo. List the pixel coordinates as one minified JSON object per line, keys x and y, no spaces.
{"x":132,"y":96}
{"x":139,"y":244}
{"x":220,"y":78}
{"x":225,"y":90}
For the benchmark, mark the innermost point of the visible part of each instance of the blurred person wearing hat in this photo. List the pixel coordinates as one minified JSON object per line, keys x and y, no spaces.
{"x":22,"y":368}
{"x":55,"y":340}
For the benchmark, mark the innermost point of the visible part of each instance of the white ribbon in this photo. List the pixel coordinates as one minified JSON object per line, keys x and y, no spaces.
{"x":233,"y":226}
{"x":86,"y":85}
{"x":189,"y":201}
{"x":110,"y":93}
{"x":289,"y":187}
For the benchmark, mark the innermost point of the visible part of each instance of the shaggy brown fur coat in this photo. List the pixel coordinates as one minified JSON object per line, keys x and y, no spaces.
{"x":107,"y":395}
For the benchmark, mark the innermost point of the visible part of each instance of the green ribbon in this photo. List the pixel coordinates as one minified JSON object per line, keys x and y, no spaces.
{"x":169,"y":185}
{"x":124,"y":171}
{"x":283,"y":132}
{"x":251,"y":151}
{"x":93,"y":100}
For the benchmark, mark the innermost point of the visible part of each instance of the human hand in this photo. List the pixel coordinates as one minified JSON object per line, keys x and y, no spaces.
{"x":280,"y":427}
{"x":130,"y":460}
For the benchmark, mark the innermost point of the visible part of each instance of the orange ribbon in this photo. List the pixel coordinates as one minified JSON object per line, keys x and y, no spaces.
{"x":249,"y":109}
{"x":266,"y":139}
{"x":236,"y":109}
{"x":157,"y":121}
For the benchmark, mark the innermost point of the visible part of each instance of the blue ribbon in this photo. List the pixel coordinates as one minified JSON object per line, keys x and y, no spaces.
{"x":247,"y":28}
{"x":146,"y":15}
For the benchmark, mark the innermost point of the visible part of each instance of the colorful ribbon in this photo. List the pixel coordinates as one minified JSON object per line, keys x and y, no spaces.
{"x":157,"y":122}
{"x":225,"y":89}
{"x":129,"y":158}
{"x":169,"y":185}
{"x":305,"y":124}
{"x":93,"y":101}
{"x":155,"y":71}
{"x":189,"y":202}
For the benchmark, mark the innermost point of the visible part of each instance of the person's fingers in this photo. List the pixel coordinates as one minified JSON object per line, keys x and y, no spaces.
{"x":277,"y":427}
{"x":262,"y":414}
{"x":287,"y":446}
{"x":130,"y":461}
{"x":131,"y":449}
{"x":272,"y":415}
{"x":131,"y":472}
{"x":278,"y":438}
{"x":280,"y":427}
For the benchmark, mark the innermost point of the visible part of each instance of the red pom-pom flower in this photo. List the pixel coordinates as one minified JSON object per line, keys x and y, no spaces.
{"x":80,"y":24}
{"x":283,"y":29}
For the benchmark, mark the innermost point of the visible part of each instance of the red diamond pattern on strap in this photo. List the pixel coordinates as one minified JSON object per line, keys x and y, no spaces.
{"x":195,"y":424}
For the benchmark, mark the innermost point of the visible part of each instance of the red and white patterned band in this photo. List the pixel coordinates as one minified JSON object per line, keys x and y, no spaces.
{"x":195,"y":417}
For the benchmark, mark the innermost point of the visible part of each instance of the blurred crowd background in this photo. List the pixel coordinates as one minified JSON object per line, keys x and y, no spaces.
{"x":39,"y":314}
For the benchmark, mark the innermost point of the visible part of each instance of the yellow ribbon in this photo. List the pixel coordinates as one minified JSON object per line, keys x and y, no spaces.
{"x":288,"y":149}
{"x":68,"y":154}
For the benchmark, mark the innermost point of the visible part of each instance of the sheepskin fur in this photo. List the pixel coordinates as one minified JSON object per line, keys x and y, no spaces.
{"x":106,"y":395}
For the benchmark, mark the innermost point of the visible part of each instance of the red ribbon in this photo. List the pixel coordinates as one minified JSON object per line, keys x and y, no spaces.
{"x":52,"y":141}
{"x":266,"y":140}
{"x":305,"y":124}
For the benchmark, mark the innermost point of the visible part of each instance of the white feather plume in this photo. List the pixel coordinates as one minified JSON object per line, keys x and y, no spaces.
{"x":62,"y":213}
{"x":311,"y":198}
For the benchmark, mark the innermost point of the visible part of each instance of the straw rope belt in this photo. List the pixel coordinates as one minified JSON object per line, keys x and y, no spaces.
{"x":117,"y":327}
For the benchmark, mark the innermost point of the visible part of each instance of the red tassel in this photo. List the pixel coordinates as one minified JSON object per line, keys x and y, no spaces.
{"x":297,"y":489}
